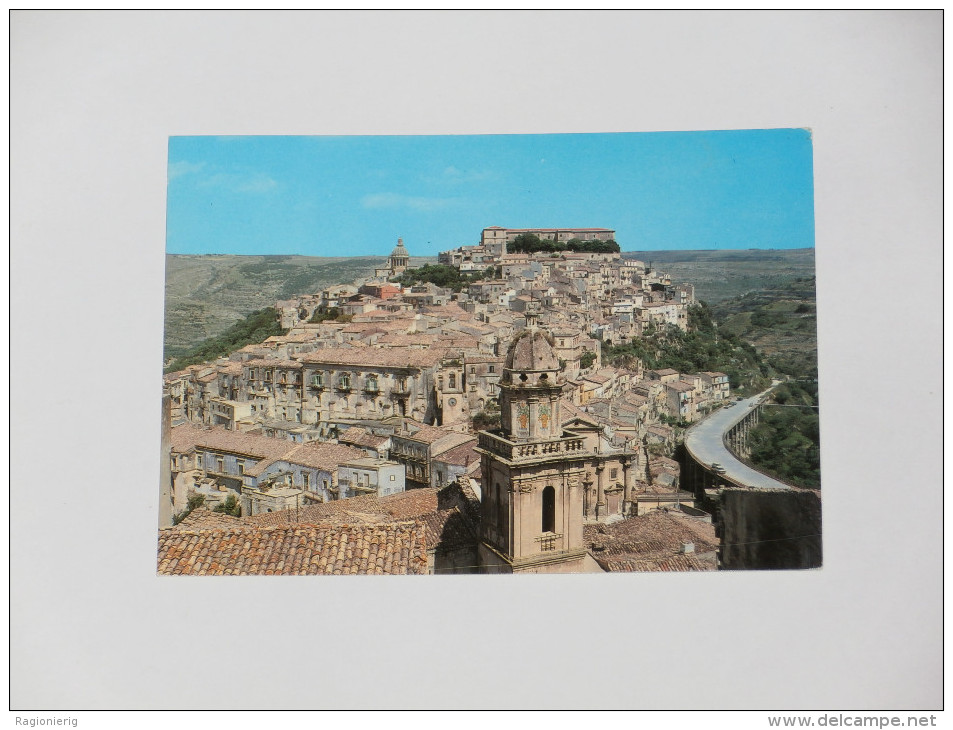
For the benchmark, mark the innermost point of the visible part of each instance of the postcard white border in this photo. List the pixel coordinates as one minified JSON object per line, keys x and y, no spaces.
{"x":94,"y":97}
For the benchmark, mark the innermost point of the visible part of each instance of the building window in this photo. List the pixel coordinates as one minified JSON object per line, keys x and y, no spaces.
{"x":241,"y":467}
{"x":220,"y":464}
{"x":453,"y":380}
{"x":549,"y":510}
{"x":613,"y":473}
{"x":492,"y":368}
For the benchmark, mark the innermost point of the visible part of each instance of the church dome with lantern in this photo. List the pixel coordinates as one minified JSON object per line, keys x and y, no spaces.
{"x":399,"y":250}
{"x":531,"y":351}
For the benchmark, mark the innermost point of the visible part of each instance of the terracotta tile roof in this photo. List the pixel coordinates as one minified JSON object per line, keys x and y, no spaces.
{"x":452,"y":310}
{"x":404,"y":340}
{"x":293,"y":338}
{"x":362,"y":327}
{"x":672,"y":564}
{"x":680,"y":385}
{"x":374,"y":356}
{"x":658,"y":464}
{"x":656,"y":538}
{"x":403,"y":505}
{"x":203,"y":519}
{"x":380,"y":314}
{"x":187,"y":437}
{"x":271,"y":362}
{"x":463,"y":455}
{"x":395,"y":548}
{"x":316,"y":454}
{"x":448,"y":529}
{"x":432,"y":435}
{"x":359,"y":437}
{"x":478,"y":359}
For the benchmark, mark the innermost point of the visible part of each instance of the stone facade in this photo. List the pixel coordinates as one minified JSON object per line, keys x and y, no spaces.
{"x":534,"y":471}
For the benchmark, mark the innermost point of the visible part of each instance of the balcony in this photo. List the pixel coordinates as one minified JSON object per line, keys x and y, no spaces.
{"x":371,"y":388}
{"x":518,"y":451}
{"x":355,"y":486}
{"x":400,"y":390}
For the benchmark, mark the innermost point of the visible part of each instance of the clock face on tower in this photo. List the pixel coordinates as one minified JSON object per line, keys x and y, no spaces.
{"x":452,"y":401}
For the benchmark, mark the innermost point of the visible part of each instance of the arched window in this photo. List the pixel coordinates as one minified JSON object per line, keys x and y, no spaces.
{"x":549,"y":510}
{"x":453,"y":381}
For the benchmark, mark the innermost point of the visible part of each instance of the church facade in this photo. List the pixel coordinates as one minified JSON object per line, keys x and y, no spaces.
{"x":541,"y":482}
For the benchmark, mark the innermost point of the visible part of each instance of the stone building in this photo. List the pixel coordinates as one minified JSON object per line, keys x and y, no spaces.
{"x":495,"y":238}
{"x":370,"y":475}
{"x":313,"y":468}
{"x":213,"y":461}
{"x":346,"y":384}
{"x":397,"y":263}
{"x":483,"y":375}
{"x":415,"y":445}
{"x":538,"y":476}
{"x":452,"y":404}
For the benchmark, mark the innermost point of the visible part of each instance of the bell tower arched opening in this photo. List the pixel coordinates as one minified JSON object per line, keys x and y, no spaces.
{"x":549,"y":510}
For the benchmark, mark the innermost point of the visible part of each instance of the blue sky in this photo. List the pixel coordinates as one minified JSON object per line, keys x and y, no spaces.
{"x":334,"y":196}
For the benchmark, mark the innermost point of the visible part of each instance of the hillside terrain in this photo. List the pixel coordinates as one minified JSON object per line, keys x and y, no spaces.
{"x":205,"y":295}
{"x":780,"y":322}
{"x":720,"y":275}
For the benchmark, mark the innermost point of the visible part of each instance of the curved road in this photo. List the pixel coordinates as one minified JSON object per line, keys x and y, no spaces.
{"x":705,"y":441}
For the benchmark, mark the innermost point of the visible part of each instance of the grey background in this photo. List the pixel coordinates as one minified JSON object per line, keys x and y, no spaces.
{"x":95,"y":96}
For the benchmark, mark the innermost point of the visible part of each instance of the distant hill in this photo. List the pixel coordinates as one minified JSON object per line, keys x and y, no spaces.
{"x":205,"y":295}
{"x":779,"y":321}
{"x":719,"y":275}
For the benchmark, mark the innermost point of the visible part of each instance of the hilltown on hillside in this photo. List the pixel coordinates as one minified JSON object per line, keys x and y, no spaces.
{"x":415,"y":429}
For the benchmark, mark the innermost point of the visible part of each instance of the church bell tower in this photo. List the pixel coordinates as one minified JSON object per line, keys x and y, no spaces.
{"x":532,"y":470}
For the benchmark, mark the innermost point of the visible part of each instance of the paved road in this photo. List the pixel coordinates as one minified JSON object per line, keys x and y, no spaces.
{"x":705,"y":441}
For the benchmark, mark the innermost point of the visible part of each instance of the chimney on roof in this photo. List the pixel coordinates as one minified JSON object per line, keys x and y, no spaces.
{"x":688,"y":547}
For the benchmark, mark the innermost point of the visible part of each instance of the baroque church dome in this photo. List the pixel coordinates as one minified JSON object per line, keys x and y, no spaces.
{"x":531,"y":350}
{"x":399,"y":250}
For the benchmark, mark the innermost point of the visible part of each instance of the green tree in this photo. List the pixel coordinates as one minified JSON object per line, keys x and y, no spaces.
{"x":254,"y":328}
{"x":447,"y":277}
{"x":194,"y":502}
{"x":524,"y":243}
{"x":230,"y":506}
{"x":330,"y":315}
